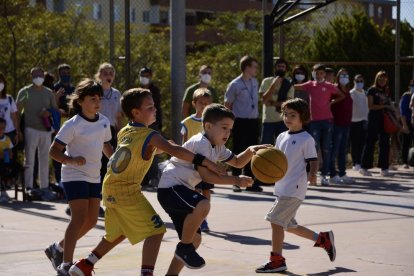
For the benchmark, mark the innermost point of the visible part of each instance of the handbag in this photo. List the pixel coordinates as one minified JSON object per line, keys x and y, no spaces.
{"x":390,"y":124}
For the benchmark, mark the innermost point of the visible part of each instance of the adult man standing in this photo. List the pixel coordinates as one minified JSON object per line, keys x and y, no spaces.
{"x":204,"y":81}
{"x":35,"y":100}
{"x":242,"y":98}
{"x":63,"y":88}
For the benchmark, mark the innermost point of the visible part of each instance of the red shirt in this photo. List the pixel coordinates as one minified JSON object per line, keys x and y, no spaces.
{"x":342,"y":111}
{"x":320,"y":95}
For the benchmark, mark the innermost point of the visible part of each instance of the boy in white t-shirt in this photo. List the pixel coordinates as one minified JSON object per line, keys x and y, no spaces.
{"x":299,"y":148}
{"x":176,"y":194}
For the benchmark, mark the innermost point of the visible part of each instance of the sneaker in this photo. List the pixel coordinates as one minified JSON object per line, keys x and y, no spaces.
{"x":63,"y":270}
{"x":101,"y":212}
{"x":236,"y":189}
{"x":81,"y":268}
{"x":335,"y":180}
{"x":406,"y":166}
{"x":253,"y":188}
{"x":277,"y":264}
{"x":356,"y":167}
{"x":364,"y":172}
{"x":204,"y":227}
{"x":54,"y":255}
{"x":386,"y":173}
{"x":324,"y":180}
{"x":347,"y":180}
{"x":188,"y":255}
{"x":47,"y":195}
{"x":4,"y":197}
{"x":326,"y":241}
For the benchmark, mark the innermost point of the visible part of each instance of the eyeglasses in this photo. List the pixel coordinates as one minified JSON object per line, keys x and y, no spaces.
{"x":359,"y":81}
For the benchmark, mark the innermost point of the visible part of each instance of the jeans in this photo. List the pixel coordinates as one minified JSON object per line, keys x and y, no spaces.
{"x":270,"y":131}
{"x":338,"y":153}
{"x":322,"y":130}
{"x":358,"y":135}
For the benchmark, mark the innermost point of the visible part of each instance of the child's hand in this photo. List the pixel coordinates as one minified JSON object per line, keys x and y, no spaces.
{"x":217,"y":168}
{"x":312,"y":179}
{"x":244,"y":181}
{"x":255,"y":148}
{"x":78,"y":161}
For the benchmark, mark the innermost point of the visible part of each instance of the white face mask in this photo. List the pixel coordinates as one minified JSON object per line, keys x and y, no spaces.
{"x":38,"y":81}
{"x":144,"y":80}
{"x":1,"y":86}
{"x":299,"y":77}
{"x":313,"y":75}
{"x":206,"y":78}
{"x":343,"y":80}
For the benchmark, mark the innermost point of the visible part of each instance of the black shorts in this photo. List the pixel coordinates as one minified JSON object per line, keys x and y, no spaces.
{"x":204,"y":186}
{"x":178,"y":202}
{"x":82,"y":190}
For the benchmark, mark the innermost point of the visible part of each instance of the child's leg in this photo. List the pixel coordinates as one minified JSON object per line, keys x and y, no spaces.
{"x":193,"y":220}
{"x":176,"y":265}
{"x":150,"y":250}
{"x":304,"y":233}
{"x":278,"y":235}
{"x":207,"y":193}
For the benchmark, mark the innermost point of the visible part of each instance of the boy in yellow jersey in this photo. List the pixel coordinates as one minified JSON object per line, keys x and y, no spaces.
{"x":186,"y":207}
{"x":128,"y":213}
{"x":193,"y":125}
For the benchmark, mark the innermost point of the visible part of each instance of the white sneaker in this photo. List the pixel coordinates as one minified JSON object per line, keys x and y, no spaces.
{"x":4,"y":197}
{"x":386,"y":173}
{"x":324,"y":180}
{"x":347,"y":180}
{"x":364,"y":172}
{"x":406,"y":166}
{"x":357,"y":167}
{"x":335,"y":180}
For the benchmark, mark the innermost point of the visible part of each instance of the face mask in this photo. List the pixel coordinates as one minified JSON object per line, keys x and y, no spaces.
{"x":1,"y":86}
{"x":314,"y":75}
{"x":65,"y":79}
{"x":38,"y":81}
{"x":343,"y":80}
{"x":206,"y":78}
{"x":144,"y":80}
{"x":359,"y":85}
{"x":299,"y":77}
{"x":280,"y":73}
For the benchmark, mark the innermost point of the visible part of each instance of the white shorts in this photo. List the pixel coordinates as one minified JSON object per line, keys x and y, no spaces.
{"x":283,"y":212}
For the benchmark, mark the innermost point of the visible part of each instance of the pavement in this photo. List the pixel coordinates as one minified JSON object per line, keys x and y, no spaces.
{"x":373,"y":222}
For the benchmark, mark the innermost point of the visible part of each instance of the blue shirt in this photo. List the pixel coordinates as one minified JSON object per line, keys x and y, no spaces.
{"x":243,"y":95}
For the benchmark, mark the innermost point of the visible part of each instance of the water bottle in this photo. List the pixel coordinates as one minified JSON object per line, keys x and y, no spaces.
{"x":6,"y":156}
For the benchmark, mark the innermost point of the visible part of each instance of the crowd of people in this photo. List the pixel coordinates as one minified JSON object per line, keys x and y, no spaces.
{"x":92,"y":150}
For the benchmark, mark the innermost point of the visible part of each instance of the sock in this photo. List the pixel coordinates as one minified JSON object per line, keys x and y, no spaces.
{"x":147,"y":270}
{"x":66,"y":264}
{"x":58,"y":247}
{"x":315,"y":237}
{"x":93,"y":257}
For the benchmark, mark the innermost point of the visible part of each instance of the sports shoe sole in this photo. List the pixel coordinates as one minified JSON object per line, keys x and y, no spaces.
{"x":75,"y":271}
{"x":279,"y":269}
{"x":186,"y":264}
{"x":331,"y":238}
{"x":50,"y":257}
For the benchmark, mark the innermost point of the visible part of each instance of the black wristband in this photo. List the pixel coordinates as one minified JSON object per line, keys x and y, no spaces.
{"x":198,"y":159}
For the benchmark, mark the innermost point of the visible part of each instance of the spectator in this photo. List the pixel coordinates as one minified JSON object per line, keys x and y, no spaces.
{"x":300,"y":75}
{"x":378,"y":102}
{"x":342,"y":116}
{"x":274,"y":91}
{"x":63,"y":88}
{"x":330,"y":75}
{"x":49,"y":80}
{"x":151,"y":179}
{"x":407,"y":134}
{"x":35,"y":99}
{"x":242,"y":98}
{"x":322,"y":95}
{"x":359,"y":123}
{"x":204,"y":75}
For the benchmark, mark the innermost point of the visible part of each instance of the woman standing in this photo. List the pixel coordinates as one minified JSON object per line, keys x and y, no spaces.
{"x":8,"y":111}
{"x":407,"y":133}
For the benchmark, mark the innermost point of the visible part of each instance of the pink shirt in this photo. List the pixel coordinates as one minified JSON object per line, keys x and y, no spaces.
{"x":320,"y":95}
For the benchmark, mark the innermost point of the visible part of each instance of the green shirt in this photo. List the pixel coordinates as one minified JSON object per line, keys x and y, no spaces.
{"x":34,"y":102}
{"x":188,"y":95}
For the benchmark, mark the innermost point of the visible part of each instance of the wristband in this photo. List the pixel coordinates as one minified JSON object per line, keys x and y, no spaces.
{"x":198,"y":159}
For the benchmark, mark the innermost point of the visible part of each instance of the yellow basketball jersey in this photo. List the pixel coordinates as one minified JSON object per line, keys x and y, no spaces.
{"x":127,"y":166}
{"x":192,"y":126}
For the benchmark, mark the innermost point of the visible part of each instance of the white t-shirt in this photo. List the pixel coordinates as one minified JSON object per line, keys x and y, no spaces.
{"x":84,"y":137}
{"x":6,"y":109}
{"x":180,"y":172}
{"x":359,"y":105}
{"x":299,"y":147}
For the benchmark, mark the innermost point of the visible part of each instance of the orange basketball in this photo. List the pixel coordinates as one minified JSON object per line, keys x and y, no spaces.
{"x":269,"y":165}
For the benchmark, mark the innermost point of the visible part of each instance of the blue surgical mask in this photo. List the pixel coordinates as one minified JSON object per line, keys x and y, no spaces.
{"x":359,"y":85}
{"x":65,"y":79}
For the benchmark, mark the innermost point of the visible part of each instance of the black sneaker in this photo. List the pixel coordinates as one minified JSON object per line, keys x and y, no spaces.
{"x":272,"y":266}
{"x":188,"y":255}
{"x":257,"y":189}
{"x":63,"y":270}
{"x":101,"y":212}
{"x":54,"y":256}
{"x":236,"y":189}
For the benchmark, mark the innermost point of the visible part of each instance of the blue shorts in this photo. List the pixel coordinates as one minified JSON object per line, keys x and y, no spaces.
{"x":82,"y":190}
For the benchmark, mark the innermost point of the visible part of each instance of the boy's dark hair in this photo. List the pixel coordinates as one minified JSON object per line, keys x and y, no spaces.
{"x":317,"y":67}
{"x":132,"y":98}
{"x":144,"y":70}
{"x":86,"y":87}
{"x":3,"y":121}
{"x":300,"y":106}
{"x":216,"y":112}
{"x":204,"y":67}
{"x":281,"y":61}
{"x":246,"y":61}
{"x":329,"y":70}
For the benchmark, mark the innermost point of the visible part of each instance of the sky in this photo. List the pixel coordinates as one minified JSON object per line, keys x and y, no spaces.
{"x":407,"y":11}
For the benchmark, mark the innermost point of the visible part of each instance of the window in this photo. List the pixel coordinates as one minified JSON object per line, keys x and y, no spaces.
{"x":78,"y":8}
{"x":132,"y":15}
{"x":164,"y":17}
{"x":58,"y":6}
{"x":146,"y":16}
{"x":117,"y":13}
{"x":97,"y":11}
{"x":371,"y":10}
{"x":379,"y":12}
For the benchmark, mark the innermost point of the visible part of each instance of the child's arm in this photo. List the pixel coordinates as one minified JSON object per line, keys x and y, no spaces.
{"x":56,"y":152}
{"x":313,"y":171}
{"x":172,"y":149}
{"x":211,"y":177}
{"x":108,"y":150}
{"x":241,"y":160}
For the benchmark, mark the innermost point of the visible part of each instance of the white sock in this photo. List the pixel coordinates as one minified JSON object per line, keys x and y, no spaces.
{"x":58,"y":247}
{"x":92,"y":258}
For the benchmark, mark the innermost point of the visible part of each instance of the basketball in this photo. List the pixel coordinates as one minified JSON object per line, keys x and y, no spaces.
{"x":269,"y":165}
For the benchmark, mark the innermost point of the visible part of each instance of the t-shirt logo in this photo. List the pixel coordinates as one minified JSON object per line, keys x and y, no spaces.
{"x":293,"y":142}
{"x":105,"y":125}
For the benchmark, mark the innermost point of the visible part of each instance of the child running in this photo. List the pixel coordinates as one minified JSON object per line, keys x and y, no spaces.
{"x":186,"y":207}
{"x":85,"y":136}
{"x":193,"y":125}
{"x":290,"y":191}
{"x":128,"y":213}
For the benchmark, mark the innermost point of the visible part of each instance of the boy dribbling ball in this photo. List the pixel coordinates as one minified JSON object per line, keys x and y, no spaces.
{"x":299,"y":148}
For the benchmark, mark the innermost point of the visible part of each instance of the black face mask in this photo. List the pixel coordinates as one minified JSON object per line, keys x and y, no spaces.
{"x":280,"y":73}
